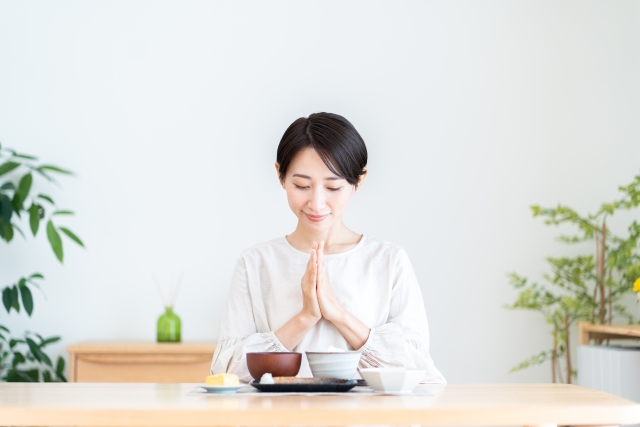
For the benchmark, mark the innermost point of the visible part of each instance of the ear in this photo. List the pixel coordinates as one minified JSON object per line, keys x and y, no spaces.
{"x":278,"y":174}
{"x":361,"y":180}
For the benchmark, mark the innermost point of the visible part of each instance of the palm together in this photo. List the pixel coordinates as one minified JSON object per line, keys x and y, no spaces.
{"x":319,"y":299}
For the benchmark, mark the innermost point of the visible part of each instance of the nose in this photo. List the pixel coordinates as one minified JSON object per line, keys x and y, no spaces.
{"x":317,"y":201}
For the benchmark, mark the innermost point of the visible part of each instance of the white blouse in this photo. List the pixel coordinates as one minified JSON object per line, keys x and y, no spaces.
{"x":374,"y":281}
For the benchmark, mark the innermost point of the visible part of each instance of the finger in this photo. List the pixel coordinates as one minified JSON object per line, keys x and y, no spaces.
{"x":320,"y":272}
{"x":312,"y":259}
{"x":314,"y":271}
{"x":314,"y":279}
{"x":321,"y":253}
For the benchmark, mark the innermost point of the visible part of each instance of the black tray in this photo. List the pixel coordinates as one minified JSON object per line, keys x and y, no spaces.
{"x":307,"y":385}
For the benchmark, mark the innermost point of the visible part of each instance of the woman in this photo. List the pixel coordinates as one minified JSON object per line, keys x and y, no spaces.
{"x":324,"y":285}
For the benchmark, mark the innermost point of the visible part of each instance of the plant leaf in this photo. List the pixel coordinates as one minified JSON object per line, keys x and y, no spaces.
{"x":4,"y":329}
{"x":47,"y":198}
{"x":15,"y":298}
{"x":63,"y":213}
{"x":17,"y":359}
{"x":16,"y":375}
{"x":8,"y":186}
{"x":49,"y":340}
{"x":45,"y":358}
{"x":25,"y":156}
{"x":25,"y":186}
{"x":72,"y":236}
{"x":27,"y":299}
{"x":54,"y":240}
{"x":8,"y":167}
{"x":6,"y":230}
{"x":6,"y":299}
{"x":6,"y":209}
{"x":32,"y":374}
{"x":54,"y":169}
{"x":34,"y":218}
{"x":35,"y":350}
{"x":16,"y":203}
{"x":36,"y":276}
{"x":13,"y":342}
{"x":60,"y":369}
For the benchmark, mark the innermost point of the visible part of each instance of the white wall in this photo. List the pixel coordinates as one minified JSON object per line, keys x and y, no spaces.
{"x":171,"y":112}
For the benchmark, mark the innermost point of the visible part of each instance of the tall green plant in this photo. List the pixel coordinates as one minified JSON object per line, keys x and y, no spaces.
{"x":586,"y":287}
{"x":24,"y":358}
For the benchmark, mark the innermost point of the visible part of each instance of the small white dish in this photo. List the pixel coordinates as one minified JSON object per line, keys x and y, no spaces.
{"x":392,"y":380}
{"x":342,"y":364}
{"x":221,"y":389}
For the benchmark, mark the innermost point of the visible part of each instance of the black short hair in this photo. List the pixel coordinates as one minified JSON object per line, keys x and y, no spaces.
{"x":334,"y":138}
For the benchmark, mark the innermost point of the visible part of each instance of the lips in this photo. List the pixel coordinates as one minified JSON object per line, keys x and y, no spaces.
{"x":315,"y":218}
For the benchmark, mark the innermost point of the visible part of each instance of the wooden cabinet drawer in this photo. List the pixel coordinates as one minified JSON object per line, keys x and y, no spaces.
{"x":140,"y":362}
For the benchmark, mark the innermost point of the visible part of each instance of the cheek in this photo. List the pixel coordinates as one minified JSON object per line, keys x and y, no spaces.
{"x":295,"y":197}
{"x":338,"y":202}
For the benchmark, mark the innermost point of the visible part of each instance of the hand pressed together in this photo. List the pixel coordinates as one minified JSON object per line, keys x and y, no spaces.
{"x":318,"y":298}
{"x":310,"y":306}
{"x":318,"y":301}
{"x":329,"y":305}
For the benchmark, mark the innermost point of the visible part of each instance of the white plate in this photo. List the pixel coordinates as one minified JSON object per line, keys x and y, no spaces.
{"x":221,"y":389}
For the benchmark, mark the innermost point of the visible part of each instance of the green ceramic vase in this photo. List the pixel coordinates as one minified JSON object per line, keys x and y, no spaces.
{"x":169,"y":326}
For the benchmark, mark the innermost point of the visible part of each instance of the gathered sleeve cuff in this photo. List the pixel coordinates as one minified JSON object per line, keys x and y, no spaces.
{"x":231,"y":354}
{"x":387,"y":347}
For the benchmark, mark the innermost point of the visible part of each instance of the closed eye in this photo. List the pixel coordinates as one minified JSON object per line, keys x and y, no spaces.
{"x":334,"y":189}
{"x":300,"y":187}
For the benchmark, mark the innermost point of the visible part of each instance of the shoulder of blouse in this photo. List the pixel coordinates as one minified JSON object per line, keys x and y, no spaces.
{"x":263,"y":247}
{"x":375,"y":245}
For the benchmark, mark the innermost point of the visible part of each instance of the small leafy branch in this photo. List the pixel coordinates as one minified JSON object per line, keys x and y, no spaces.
{"x":15,"y":198}
{"x":12,"y":358}
{"x":582,"y":288}
{"x":17,"y":202}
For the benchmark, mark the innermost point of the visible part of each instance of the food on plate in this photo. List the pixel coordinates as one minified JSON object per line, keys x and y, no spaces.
{"x":222,"y":379}
{"x":267,"y":378}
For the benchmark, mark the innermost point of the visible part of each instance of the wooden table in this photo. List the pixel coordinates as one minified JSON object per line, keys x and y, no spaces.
{"x":140,"y":361}
{"x":90,"y":404}
{"x":588,"y":332}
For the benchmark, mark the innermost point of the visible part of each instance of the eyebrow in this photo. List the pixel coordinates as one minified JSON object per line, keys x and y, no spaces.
{"x":331,"y":178}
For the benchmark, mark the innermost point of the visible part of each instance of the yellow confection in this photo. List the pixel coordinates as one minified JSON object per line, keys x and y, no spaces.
{"x":636,"y":286}
{"x":222,"y":379}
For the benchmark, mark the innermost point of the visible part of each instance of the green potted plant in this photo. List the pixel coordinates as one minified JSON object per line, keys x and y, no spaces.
{"x":587,"y":287}
{"x":24,"y":358}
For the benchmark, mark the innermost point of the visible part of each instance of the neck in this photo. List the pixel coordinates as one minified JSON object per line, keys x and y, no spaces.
{"x":335,"y":238}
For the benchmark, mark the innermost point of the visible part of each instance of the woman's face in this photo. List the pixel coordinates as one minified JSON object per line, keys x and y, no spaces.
{"x":316,"y":195}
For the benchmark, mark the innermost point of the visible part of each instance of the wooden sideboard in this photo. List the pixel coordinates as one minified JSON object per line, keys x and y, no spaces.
{"x":140,"y":362}
{"x":588,"y":332}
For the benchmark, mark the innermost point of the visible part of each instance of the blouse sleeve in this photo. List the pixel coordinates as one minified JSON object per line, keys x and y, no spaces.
{"x":239,"y":334}
{"x":403,"y":340}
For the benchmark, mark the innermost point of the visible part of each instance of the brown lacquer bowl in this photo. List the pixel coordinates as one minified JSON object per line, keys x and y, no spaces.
{"x":277,"y":364}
